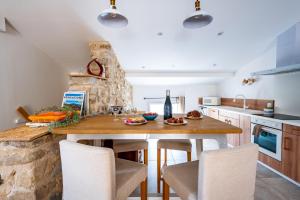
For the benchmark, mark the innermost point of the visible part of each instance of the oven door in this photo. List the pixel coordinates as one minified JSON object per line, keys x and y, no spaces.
{"x":269,"y":141}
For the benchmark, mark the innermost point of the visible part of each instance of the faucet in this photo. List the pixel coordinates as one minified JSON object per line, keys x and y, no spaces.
{"x":244,"y":98}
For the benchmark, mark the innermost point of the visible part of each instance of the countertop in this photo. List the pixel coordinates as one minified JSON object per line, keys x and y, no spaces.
{"x":249,"y":112}
{"x":105,"y":124}
{"x":22,"y":134}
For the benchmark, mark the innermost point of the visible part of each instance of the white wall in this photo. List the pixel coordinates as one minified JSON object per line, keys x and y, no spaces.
{"x":284,"y":89}
{"x":191,"y":93}
{"x":28,"y":77}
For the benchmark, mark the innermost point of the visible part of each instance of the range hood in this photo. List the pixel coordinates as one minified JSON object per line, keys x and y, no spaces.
{"x":287,"y":53}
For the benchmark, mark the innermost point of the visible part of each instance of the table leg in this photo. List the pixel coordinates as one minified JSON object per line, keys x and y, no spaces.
{"x":222,"y":141}
{"x":199,"y":147}
{"x":72,"y":138}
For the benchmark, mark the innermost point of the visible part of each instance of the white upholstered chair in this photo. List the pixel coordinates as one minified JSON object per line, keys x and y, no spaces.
{"x":174,"y":144}
{"x":93,"y":173}
{"x":227,"y":174}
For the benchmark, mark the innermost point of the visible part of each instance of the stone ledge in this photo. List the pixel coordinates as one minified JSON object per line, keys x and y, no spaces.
{"x":22,"y":133}
{"x":31,"y":170}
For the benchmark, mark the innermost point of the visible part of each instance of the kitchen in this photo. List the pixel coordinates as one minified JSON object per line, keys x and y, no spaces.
{"x":242,"y":76}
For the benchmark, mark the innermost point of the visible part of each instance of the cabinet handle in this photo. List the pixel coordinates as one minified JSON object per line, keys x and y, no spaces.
{"x":287,"y":144}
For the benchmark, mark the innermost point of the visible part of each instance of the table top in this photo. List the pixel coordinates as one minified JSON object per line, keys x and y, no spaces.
{"x":105,"y":124}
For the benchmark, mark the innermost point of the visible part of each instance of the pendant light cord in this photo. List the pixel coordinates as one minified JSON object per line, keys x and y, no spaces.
{"x":113,"y":4}
{"x":197,"y":5}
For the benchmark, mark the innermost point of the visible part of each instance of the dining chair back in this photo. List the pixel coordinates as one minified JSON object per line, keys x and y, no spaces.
{"x":228,"y":174}
{"x":88,"y":172}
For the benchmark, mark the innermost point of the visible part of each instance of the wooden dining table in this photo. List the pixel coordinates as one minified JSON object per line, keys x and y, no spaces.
{"x":107,"y":127}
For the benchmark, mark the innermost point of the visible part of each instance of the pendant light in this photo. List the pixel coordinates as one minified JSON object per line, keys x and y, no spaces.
{"x":111,"y":17}
{"x":197,"y":19}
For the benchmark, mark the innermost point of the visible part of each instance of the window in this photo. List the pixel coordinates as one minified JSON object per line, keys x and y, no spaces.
{"x":159,"y":108}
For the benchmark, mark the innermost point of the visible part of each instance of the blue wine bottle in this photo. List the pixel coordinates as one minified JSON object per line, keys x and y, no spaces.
{"x":168,"y":106}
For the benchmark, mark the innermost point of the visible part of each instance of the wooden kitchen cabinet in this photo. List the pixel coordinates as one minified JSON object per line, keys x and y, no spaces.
{"x":232,"y":139}
{"x":291,"y":152}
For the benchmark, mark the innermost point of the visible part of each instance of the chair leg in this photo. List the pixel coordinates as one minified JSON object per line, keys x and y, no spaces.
{"x":146,"y":163}
{"x":146,"y":156}
{"x":158,"y":170}
{"x":166,"y":156}
{"x":189,"y":156}
{"x":166,"y":191}
{"x":144,"y":190}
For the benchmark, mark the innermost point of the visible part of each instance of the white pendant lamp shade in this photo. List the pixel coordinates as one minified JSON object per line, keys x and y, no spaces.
{"x":197,"y":19}
{"x":111,"y":17}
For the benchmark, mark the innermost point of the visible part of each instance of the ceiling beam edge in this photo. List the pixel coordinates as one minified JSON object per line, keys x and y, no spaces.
{"x":179,"y":74}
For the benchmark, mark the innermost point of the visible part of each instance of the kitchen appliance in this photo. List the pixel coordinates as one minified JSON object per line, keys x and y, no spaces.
{"x":279,"y":116}
{"x":211,"y":101}
{"x":268,"y":136}
{"x":287,"y":53}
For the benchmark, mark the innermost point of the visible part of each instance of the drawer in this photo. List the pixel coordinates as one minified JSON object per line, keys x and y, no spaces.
{"x":229,"y":114}
{"x":214,"y":113}
{"x":291,"y":129}
{"x":233,"y":122}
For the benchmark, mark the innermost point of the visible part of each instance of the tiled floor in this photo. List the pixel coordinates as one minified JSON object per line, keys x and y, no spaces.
{"x":269,"y":186}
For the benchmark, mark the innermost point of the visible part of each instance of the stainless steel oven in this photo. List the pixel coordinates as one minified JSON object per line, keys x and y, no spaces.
{"x":269,"y":136}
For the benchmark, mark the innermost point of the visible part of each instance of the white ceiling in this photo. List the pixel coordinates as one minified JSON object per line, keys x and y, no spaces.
{"x":62,"y":29}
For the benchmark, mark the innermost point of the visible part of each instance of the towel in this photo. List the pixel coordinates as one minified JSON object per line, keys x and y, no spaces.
{"x":256,"y":130}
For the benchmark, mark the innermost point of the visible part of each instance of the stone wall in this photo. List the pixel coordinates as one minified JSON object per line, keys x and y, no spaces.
{"x":31,"y":170}
{"x":115,"y":90}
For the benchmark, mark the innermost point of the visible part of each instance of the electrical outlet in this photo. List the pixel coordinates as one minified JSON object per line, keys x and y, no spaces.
{"x":20,"y":121}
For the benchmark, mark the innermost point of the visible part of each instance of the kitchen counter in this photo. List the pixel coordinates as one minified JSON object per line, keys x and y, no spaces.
{"x":251,"y":113}
{"x":22,"y":134}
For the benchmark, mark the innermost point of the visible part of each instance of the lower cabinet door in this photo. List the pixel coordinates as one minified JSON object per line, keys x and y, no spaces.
{"x":289,"y":155}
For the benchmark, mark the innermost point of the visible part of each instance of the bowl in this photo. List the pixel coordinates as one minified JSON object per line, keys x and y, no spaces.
{"x":150,"y":116}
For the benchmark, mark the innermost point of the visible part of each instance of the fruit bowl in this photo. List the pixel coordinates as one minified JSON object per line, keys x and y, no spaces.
{"x":150,"y":116}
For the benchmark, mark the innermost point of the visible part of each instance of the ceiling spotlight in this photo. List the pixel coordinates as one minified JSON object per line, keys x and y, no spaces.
{"x":197,"y":19}
{"x":220,"y":33}
{"x":111,"y":17}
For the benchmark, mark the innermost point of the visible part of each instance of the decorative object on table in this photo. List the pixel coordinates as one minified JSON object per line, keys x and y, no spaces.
{"x":111,"y":17}
{"x":25,"y":115}
{"x":150,"y":116}
{"x":116,"y":110}
{"x":168,"y":106}
{"x":95,"y":68}
{"x":194,"y":115}
{"x":135,"y":121}
{"x":175,"y":121}
{"x":48,"y":117}
{"x":248,"y":81}
{"x":77,"y":100}
{"x":54,"y":117}
{"x":198,"y":18}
